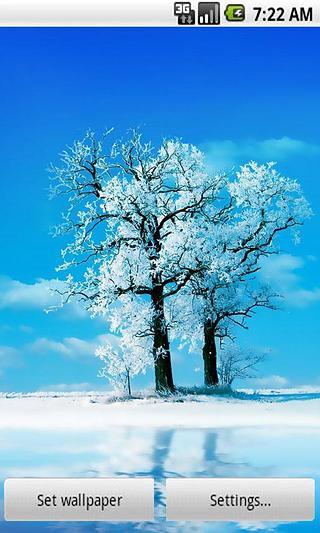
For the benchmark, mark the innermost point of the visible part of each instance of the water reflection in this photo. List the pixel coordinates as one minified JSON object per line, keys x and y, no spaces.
{"x":160,"y":453}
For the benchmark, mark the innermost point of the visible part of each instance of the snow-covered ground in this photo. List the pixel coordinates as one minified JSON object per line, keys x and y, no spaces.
{"x":281,"y":408}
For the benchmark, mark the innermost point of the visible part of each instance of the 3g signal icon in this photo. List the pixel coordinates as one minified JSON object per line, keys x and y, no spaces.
{"x":182,"y":8}
{"x":186,"y":15}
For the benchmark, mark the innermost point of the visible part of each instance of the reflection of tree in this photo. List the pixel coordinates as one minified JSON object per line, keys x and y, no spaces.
{"x":216,"y":464}
{"x":162,"y":445}
{"x":210,"y":446}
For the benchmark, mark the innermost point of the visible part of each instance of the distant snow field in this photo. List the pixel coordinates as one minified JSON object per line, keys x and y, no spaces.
{"x":74,"y":411}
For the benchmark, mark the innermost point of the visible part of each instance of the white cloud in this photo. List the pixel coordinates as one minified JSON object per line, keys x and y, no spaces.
{"x":303,"y":297}
{"x":69,"y":387}
{"x":282,"y":272}
{"x":44,"y":345}
{"x":282,"y":268}
{"x":7,"y":353}
{"x":271,"y":381}
{"x":38,"y":295}
{"x":9,"y":357}
{"x":15,"y":294}
{"x":70,"y":346}
{"x":227,"y":153}
{"x":26,"y":329}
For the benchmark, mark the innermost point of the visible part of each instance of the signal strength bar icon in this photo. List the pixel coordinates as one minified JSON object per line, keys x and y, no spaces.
{"x":208,"y":13}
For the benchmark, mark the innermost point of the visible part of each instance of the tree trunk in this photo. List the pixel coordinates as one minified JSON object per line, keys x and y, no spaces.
{"x":129,"y":383}
{"x":161,"y":348}
{"x":209,"y":353}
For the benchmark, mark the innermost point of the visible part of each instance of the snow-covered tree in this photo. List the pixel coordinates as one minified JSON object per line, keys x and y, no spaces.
{"x":151,"y":223}
{"x":129,"y":210}
{"x":237,"y":363}
{"x":132,"y":353}
{"x":254,"y":208}
{"x":204,"y":320}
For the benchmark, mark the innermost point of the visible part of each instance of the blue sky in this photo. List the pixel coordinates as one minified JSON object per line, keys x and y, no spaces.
{"x":237,"y":93}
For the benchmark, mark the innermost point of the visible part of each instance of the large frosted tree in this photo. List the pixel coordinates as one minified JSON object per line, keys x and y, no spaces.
{"x":129,"y":210}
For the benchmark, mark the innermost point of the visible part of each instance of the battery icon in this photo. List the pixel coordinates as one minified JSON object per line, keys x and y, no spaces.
{"x":235,"y":13}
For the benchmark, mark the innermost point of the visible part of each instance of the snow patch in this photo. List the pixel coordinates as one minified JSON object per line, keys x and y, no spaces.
{"x":96,"y":410}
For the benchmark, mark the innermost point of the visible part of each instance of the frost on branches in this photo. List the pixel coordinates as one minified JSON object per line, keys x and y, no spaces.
{"x":133,"y":352}
{"x":128,"y":211}
{"x":236,"y":363}
{"x":259,"y":203}
{"x":162,"y":247}
{"x":209,"y":314}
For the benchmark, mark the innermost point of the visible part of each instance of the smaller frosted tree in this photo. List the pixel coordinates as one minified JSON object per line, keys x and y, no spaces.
{"x":121,"y":365}
{"x":131,"y":354}
{"x":237,"y":363}
{"x":227,"y":307}
{"x":254,"y":208}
